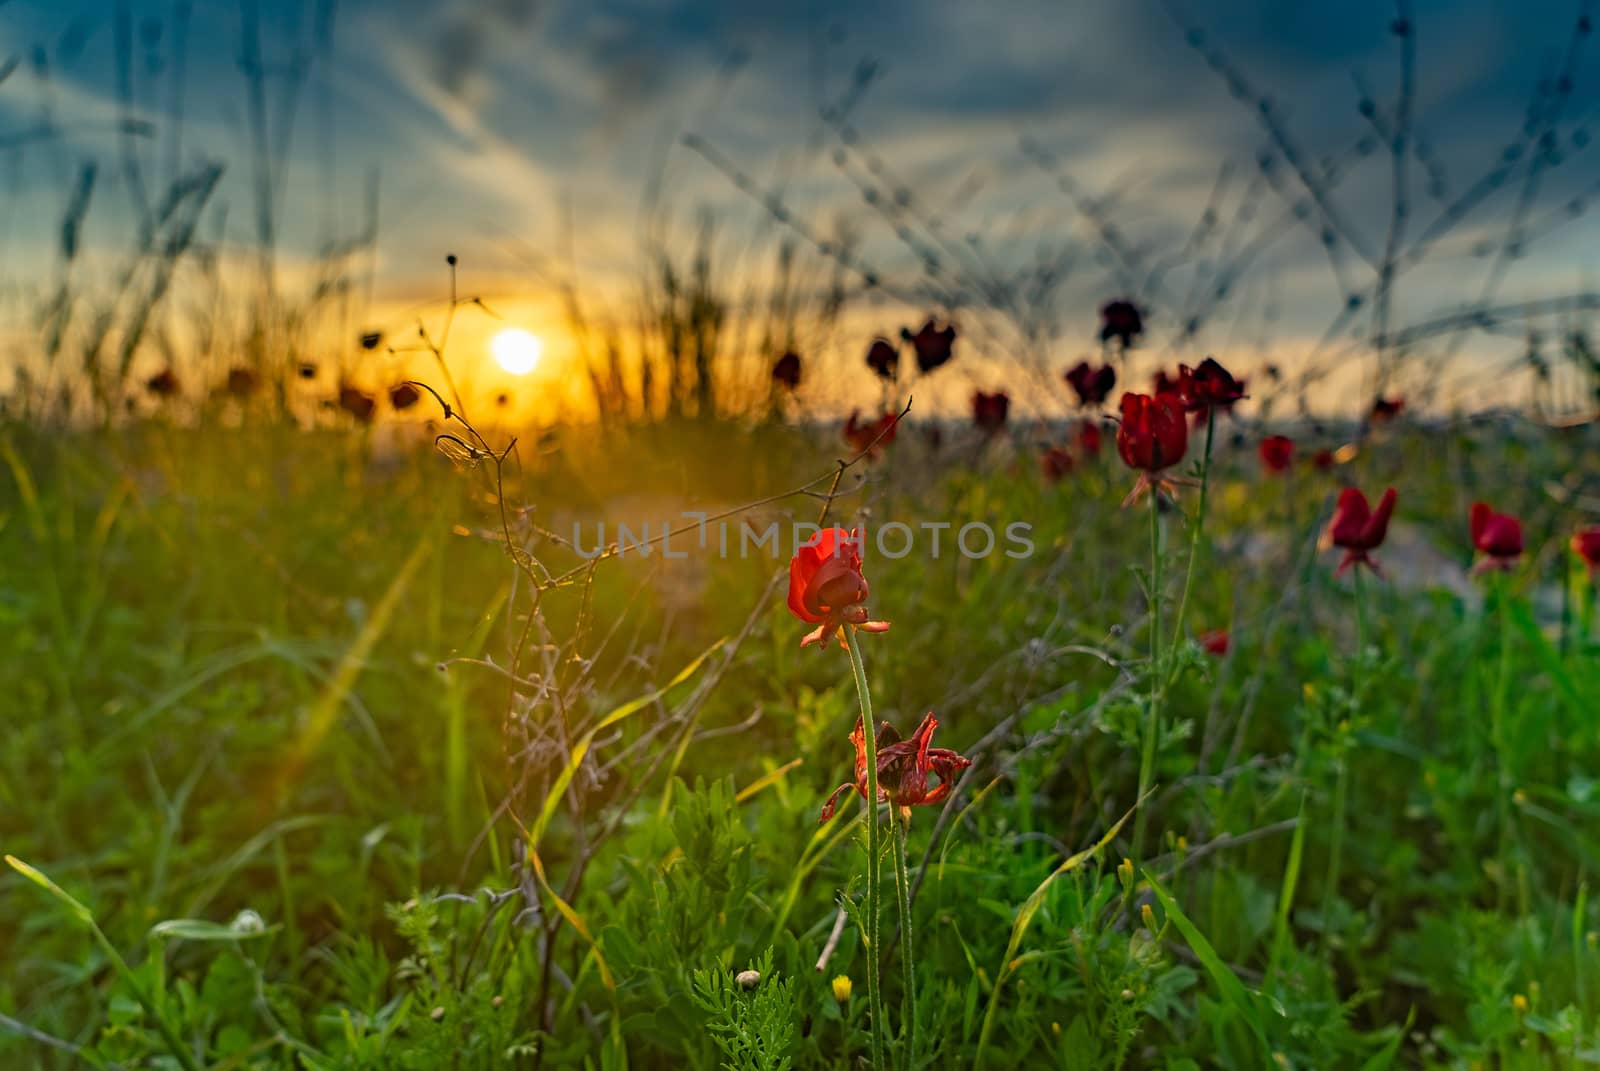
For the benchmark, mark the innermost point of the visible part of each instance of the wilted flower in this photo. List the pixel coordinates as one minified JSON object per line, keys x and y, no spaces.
{"x":1586,"y":545}
{"x":883,"y":357}
{"x":1092,"y":385}
{"x":826,"y":587}
{"x":1497,"y":536}
{"x":1120,"y":320}
{"x":786,"y":370}
{"x":404,"y":396}
{"x":933,"y":345}
{"x":1277,"y":453}
{"x":903,"y":768}
{"x":1152,"y":437}
{"x":1055,"y":463}
{"x":1358,"y":529}
{"x":989,"y":410}
{"x":870,"y":436}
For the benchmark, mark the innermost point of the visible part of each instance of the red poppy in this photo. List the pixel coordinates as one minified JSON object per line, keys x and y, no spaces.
{"x":1322,"y":460}
{"x":826,"y":587}
{"x":1120,"y":320}
{"x":989,"y":410}
{"x":870,"y":436}
{"x":903,"y":768}
{"x":1153,"y":437}
{"x":1089,"y":437}
{"x":933,"y":345}
{"x":1215,"y":642}
{"x":241,"y":382}
{"x":357,"y":403}
{"x":1208,"y":386}
{"x":1358,"y":529}
{"x":1386,"y":409}
{"x":404,"y":396}
{"x":164,"y":384}
{"x":883,"y":357}
{"x":1497,"y":536}
{"x":1092,"y":385}
{"x":1165,"y":383}
{"x":1586,"y":545}
{"x":786,"y":371}
{"x":1277,"y":453}
{"x":1055,"y":463}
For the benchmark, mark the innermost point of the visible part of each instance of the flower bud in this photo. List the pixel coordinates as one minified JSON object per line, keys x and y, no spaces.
{"x":841,"y":988}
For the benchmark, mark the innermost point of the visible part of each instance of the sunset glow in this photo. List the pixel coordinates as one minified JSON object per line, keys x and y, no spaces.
{"x":517,"y":351}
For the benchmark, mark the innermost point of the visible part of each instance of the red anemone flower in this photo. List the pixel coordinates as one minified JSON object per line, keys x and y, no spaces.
{"x":903,"y":768}
{"x":1166,"y":383}
{"x":826,"y":587}
{"x":1055,"y":463}
{"x":1386,"y":409}
{"x":865,"y":435}
{"x":1153,"y":437}
{"x":1497,"y":536}
{"x":883,"y":357}
{"x":1322,"y":460}
{"x":1358,"y":529}
{"x":1215,"y":642}
{"x":786,"y":370}
{"x":1208,"y":386}
{"x":1092,"y":385}
{"x":1277,"y":453}
{"x":1586,"y":545}
{"x":933,"y":345}
{"x":1121,"y":320}
{"x":1089,"y":437}
{"x":989,"y":410}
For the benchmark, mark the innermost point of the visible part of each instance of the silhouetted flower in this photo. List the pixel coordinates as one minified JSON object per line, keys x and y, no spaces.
{"x":786,"y":370}
{"x":1152,"y":438}
{"x":1092,"y":385}
{"x":903,"y":768}
{"x":1358,"y":529}
{"x":1386,"y":409}
{"x":1277,"y":453}
{"x":866,"y":436}
{"x":357,"y":403}
{"x":404,"y":396}
{"x":164,"y":384}
{"x":1120,"y":320}
{"x":1497,"y":536}
{"x":1209,"y":386}
{"x":883,"y":357}
{"x":989,"y":411}
{"x":370,"y":339}
{"x":827,"y":588}
{"x":1055,"y":463}
{"x":933,"y":345}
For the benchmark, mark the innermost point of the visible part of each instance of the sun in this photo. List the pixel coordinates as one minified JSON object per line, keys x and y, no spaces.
{"x":516,"y":350}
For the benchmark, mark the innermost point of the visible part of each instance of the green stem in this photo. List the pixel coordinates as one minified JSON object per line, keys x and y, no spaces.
{"x":1341,"y":776}
{"x":869,"y":729}
{"x":1194,"y":536}
{"x":908,"y":969}
{"x":1152,"y":726}
{"x":1497,"y":717}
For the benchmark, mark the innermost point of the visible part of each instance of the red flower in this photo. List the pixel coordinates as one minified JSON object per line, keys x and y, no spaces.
{"x":241,"y":382}
{"x":1386,"y":409}
{"x":1163,"y":383}
{"x":933,"y":345}
{"x":403,"y":396}
{"x":989,"y":410}
{"x":1092,"y":385}
{"x":1277,"y":453}
{"x":903,"y":768}
{"x":865,"y":437}
{"x":1120,"y":320}
{"x":1322,"y":460}
{"x":826,"y":587}
{"x":1586,"y":545}
{"x":1055,"y":463}
{"x":164,"y":384}
{"x":1153,"y":436}
{"x":883,"y":357}
{"x":786,"y":371}
{"x":1207,"y":386}
{"x":1358,"y":529}
{"x":1215,"y":642}
{"x":1089,"y":437}
{"x":357,"y":403}
{"x":1498,"y":537}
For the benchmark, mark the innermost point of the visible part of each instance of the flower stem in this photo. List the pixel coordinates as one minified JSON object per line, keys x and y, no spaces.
{"x":1152,"y":726}
{"x":869,"y":729}
{"x":902,"y":825}
{"x":1497,"y":728}
{"x":1341,"y":767}
{"x":1199,"y":527}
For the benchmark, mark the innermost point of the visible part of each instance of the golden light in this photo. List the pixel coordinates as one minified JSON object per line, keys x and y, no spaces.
{"x":516,"y":350}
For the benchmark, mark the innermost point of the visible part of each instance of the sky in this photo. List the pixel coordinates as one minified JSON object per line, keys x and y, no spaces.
{"x":1008,"y":165}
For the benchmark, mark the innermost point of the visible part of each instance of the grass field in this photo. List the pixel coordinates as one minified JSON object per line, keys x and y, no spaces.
{"x":263,"y":737}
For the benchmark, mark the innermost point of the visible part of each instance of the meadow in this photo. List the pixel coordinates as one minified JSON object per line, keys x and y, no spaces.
{"x":304,"y":769}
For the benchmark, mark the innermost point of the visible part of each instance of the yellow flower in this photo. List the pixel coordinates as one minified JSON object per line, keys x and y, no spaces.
{"x":1519,"y":1004}
{"x":1148,"y":915}
{"x":841,"y":988}
{"x":1125,"y":871}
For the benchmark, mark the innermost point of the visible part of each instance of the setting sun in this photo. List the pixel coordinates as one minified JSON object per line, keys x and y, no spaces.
{"x":516,"y":350}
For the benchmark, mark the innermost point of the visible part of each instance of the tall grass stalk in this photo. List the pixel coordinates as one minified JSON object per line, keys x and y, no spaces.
{"x":869,"y":730}
{"x":902,"y":881}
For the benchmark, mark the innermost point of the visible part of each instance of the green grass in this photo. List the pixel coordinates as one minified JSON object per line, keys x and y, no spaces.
{"x":275,"y":827}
